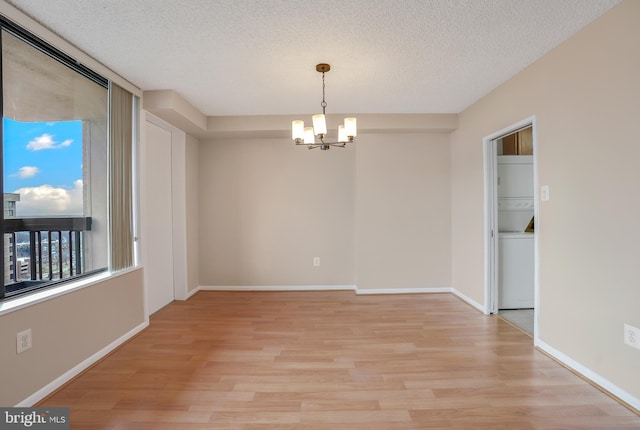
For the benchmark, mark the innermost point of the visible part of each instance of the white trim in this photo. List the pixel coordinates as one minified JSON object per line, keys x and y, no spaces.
{"x":490,"y":216}
{"x":490,"y":225}
{"x":536,"y":236}
{"x":592,"y":376}
{"x":321,"y":288}
{"x":403,"y":290}
{"x":79,"y":368}
{"x":11,"y":305}
{"x":277,"y":288}
{"x":469,"y":301}
{"x":357,"y":290}
{"x":190,"y":293}
{"x":524,"y":123}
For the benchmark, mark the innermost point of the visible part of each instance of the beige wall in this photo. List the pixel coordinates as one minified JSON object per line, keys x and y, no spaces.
{"x":377,"y":213}
{"x":66,"y":331}
{"x":267,"y":208}
{"x":403,"y":215}
{"x":584,"y":95}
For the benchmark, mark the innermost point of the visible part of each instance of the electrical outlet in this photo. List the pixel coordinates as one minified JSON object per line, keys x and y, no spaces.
{"x":23,"y":341}
{"x":632,"y":336}
{"x":316,"y":261}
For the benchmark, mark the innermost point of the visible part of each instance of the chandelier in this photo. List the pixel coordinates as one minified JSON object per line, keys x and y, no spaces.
{"x":307,"y":135}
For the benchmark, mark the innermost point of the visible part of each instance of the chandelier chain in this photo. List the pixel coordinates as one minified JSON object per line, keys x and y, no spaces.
{"x":324,"y":103}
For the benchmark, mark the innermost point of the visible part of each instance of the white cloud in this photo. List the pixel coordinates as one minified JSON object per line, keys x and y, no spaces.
{"x":27,"y":172}
{"x":46,"y":142}
{"x":46,"y":200}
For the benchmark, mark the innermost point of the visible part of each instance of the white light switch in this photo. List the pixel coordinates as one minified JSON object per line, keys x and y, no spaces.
{"x":544,"y":193}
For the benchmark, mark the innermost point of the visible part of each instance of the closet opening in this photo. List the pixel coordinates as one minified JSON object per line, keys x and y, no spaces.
{"x":510,"y":205}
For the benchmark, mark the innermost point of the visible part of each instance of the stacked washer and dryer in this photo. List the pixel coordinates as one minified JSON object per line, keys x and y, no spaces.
{"x":515,"y":244}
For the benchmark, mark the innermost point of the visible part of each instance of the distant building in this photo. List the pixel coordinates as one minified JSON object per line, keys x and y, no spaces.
{"x":10,"y":271}
{"x":23,"y":265}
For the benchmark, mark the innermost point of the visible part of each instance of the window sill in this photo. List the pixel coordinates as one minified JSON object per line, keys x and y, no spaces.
{"x":13,"y":304}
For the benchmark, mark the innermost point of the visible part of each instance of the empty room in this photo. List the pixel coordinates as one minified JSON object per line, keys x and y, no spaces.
{"x":295,"y":215}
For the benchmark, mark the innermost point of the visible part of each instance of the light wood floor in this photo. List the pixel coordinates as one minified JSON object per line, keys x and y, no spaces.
{"x":332,"y":360}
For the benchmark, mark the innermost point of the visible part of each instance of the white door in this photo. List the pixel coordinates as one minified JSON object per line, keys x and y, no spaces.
{"x":157,"y":249}
{"x":516,"y":271}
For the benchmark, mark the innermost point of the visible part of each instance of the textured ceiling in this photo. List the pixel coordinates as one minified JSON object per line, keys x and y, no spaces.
{"x":258,"y":57}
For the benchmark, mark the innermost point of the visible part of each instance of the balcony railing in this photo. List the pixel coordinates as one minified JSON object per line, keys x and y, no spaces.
{"x":42,"y":250}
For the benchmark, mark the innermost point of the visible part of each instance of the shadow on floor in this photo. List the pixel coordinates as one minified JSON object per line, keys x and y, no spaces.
{"x":522,"y":318}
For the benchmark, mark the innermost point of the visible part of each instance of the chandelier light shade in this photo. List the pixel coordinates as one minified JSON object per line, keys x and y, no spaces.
{"x":316,"y":136}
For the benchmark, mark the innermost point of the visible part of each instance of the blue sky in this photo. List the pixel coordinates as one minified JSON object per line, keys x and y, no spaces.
{"x":43,"y":162}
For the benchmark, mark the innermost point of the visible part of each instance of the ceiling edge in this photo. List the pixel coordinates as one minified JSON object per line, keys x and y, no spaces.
{"x":174,"y":109}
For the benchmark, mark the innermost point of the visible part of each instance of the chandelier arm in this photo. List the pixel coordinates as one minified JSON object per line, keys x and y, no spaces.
{"x":310,"y":145}
{"x":320,"y":145}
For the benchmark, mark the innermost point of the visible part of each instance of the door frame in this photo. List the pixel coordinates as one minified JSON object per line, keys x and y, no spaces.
{"x":491,"y":216}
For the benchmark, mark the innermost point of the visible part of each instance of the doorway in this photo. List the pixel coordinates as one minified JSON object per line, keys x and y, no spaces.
{"x":511,"y":280}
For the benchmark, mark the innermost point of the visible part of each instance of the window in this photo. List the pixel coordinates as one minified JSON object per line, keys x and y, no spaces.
{"x":56,"y":172}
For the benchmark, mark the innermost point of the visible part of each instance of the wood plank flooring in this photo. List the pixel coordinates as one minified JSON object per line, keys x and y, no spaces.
{"x":332,"y":360}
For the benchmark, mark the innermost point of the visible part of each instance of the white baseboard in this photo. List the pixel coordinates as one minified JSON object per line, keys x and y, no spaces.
{"x":403,"y":290}
{"x":470,"y":301}
{"x":278,"y":288}
{"x":192,"y":292}
{"x":359,"y":291}
{"x":78,"y":369}
{"x":322,"y":288}
{"x":592,"y":376}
